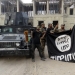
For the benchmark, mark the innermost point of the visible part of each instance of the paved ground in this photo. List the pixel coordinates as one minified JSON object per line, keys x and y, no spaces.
{"x":23,"y":66}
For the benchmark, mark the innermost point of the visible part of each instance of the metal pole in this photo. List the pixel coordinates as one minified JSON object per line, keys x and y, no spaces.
{"x":41,"y":7}
{"x":53,"y":6}
{"x":17,"y":5}
{"x":62,"y":6}
{"x":33,"y":7}
{"x":47,"y":6}
{"x":44,"y":7}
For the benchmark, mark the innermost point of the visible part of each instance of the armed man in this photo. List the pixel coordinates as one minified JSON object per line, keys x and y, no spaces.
{"x":43,"y":40}
{"x":36,"y":34}
{"x":56,"y":30}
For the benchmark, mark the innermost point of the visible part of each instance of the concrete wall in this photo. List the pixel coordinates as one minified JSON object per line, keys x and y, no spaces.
{"x":2,"y":19}
{"x":67,"y":19}
{"x":48,"y":19}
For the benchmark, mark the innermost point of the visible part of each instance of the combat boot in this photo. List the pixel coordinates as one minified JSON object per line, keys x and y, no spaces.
{"x":43,"y":59}
{"x":33,"y":60}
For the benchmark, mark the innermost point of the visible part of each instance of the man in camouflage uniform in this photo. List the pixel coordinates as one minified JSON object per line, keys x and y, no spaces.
{"x":43,"y":40}
{"x":62,"y":28}
{"x":56,"y":30}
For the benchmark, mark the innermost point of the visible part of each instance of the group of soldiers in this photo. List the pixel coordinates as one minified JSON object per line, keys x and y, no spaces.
{"x":38,"y":38}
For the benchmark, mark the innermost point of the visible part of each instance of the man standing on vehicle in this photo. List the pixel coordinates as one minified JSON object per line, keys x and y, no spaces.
{"x":36,"y":44}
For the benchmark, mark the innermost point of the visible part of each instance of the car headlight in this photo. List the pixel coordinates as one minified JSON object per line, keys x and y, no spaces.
{"x":17,"y":44}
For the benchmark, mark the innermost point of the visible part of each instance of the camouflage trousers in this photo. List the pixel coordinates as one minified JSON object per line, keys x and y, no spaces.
{"x":43,"y":46}
{"x":38,"y":46}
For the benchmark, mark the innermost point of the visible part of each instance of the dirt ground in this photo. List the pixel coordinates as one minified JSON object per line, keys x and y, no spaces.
{"x":23,"y":66}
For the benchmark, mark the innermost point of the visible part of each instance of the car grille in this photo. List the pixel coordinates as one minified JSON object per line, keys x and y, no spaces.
{"x":9,"y":37}
{"x":7,"y":44}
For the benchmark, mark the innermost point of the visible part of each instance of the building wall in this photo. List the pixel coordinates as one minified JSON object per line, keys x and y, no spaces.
{"x":67,"y":19}
{"x":2,"y":19}
{"x":48,"y":19}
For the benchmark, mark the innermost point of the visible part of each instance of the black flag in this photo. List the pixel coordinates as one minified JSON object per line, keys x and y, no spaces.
{"x":61,"y":46}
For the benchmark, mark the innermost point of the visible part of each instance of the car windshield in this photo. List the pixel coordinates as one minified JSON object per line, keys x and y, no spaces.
{"x":7,"y":30}
{"x":14,"y":29}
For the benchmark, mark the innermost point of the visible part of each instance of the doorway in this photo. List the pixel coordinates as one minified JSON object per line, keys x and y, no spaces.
{"x":55,"y":23}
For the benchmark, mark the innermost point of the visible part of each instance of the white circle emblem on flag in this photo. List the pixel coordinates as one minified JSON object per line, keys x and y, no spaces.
{"x":63,"y":43}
